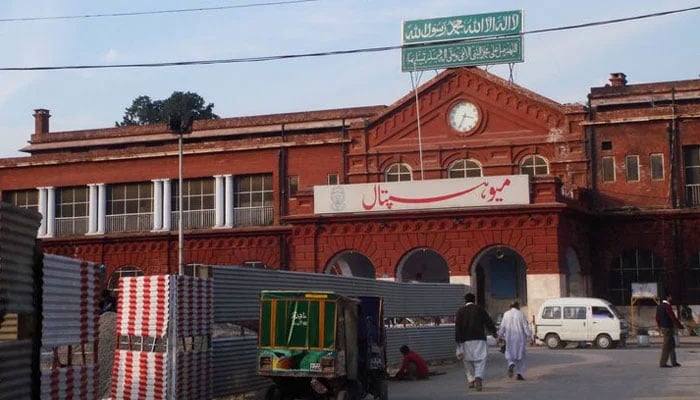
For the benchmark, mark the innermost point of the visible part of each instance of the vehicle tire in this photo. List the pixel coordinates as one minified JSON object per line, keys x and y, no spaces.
{"x":603,"y":341}
{"x":563,"y":344}
{"x":552,"y":341}
{"x":273,"y":393}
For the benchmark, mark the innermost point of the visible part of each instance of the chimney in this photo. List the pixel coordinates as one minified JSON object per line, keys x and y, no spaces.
{"x":618,"y":79}
{"x":41,"y":121}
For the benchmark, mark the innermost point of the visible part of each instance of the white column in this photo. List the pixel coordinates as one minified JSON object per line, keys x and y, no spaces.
{"x":219,"y":200}
{"x":51,"y":212}
{"x":101,"y":207}
{"x":42,"y":210}
{"x":92,"y":209}
{"x":167,"y":210}
{"x":157,"y":204}
{"x":228,"y":200}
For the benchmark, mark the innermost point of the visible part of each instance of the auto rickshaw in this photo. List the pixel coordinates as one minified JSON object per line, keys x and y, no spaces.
{"x":321,"y":345}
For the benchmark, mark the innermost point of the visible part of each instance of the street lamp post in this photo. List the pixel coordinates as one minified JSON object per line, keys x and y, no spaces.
{"x":181,"y":126}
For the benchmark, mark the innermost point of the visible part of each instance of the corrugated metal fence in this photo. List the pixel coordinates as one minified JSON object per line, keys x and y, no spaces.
{"x":236,"y":293}
{"x":18,"y":228}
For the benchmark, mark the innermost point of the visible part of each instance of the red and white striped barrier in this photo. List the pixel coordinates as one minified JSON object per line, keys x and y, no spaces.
{"x":142,"y":365}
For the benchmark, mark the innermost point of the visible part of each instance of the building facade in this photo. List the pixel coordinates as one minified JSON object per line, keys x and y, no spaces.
{"x":485,"y":183}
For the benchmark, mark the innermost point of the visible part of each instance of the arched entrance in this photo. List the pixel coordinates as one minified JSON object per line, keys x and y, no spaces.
{"x":423,"y":265}
{"x":351,"y":263}
{"x":499,"y":278}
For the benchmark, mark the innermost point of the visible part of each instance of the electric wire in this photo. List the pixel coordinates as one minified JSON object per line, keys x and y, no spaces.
{"x":335,"y":52}
{"x":136,"y":13}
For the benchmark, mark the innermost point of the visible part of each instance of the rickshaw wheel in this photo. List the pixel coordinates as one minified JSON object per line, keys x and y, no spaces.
{"x":273,"y":393}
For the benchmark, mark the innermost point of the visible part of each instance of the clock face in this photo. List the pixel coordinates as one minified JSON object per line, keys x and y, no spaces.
{"x":464,"y":116}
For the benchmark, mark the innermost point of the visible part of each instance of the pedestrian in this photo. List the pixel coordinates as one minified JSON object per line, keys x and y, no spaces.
{"x":668,"y":323}
{"x":470,"y":325}
{"x":413,"y":366}
{"x":516,"y":332}
{"x":688,"y":320}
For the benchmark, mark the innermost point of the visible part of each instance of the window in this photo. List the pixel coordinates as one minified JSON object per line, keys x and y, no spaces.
{"x":72,"y":205}
{"x":253,"y":200}
{"x":691,"y":160}
{"x":293,"y":185}
{"x":606,"y":145}
{"x":553,"y":312}
{"x":600,"y":312}
{"x":253,"y":191}
{"x":198,"y":195}
{"x":198,"y":203}
{"x":129,"y":198}
{"x":332,"y":179}
{"x":608,"y":169}
{"x":632,"y":168}
{"x":23,"y":198}
{"x":575,"y":312}
{"x":398,"y":173}
{"x":129,"y":207}
{"x":122,"y":272}
{"x":464,"y":169}
{"x":693,"y":283}
{"x":657,"y":166}
{"x":635,"y":265}
{"x":534,"y":165}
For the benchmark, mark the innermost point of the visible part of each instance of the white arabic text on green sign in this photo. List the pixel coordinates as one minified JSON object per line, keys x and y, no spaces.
{"x":462,"y":27}
{"x":483,"y":52}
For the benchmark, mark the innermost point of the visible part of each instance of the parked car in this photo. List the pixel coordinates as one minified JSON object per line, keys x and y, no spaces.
{"x":580,"y":319}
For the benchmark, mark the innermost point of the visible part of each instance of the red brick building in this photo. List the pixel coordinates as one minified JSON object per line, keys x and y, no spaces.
{"x":565,"y":199}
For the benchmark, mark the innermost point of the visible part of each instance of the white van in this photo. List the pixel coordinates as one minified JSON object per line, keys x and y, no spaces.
{"x":580,"y":319}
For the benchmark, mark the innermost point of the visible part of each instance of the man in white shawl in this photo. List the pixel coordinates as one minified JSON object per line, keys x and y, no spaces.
{"x":516,"y":332}
{"x":470,"y":323}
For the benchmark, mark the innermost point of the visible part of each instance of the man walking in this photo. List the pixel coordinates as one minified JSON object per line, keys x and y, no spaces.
{"x":470,"y":324}
{"x":667,"y":323}
{"x":515,"y":330}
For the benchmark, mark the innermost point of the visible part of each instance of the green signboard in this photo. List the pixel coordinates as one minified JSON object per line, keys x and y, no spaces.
{"x":480,"y":52}
{"x":502,"y":23}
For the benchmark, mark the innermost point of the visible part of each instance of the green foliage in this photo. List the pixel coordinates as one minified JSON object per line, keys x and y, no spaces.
{"x":144,"y":111}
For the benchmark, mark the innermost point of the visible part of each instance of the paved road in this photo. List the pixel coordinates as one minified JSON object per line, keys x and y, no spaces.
{"x":571,"y":374}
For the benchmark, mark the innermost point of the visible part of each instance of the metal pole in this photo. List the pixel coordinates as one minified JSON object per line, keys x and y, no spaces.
{"x":180,"y":234}
{"x":420,"y":140}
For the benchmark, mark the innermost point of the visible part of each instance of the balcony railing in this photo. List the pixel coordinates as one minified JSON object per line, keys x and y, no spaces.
{"x":692,"y":195}
{"x":253,"y":216}
{"x":129,"y":223}
{"x":194,"y":219}
{"x":71,"y":226}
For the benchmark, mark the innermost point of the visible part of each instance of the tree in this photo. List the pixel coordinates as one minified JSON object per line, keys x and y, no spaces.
{"x":144,"y":111}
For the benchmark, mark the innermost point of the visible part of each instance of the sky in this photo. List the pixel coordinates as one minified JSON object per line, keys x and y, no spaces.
{"x":561,"y":65}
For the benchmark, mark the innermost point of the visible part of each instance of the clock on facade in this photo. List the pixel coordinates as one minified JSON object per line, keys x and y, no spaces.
{"x":464,"y":116}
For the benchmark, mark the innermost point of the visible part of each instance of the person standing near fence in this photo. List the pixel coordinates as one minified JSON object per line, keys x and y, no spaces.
{"x":470,"y":324}
{"x":515,"y":330}
{"x":668,"y":323}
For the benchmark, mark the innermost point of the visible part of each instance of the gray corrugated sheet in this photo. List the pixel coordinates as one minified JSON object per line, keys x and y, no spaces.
{"x":18,"y":229}
{"x":77,"y":380}
{"x":234,"y":366}
{"x":236,"y":292}
{"x":15,"y":370}
{"x":70,"y":300}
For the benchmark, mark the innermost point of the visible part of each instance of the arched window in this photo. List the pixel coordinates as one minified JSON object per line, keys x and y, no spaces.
{"x":398,"y":173}
{"x":464,"y":169}
{"x":534,"y":165}
{"x":122,"y":272}
{"x":636,"y":265}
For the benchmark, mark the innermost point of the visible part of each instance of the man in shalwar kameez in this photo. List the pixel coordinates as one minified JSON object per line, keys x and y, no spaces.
{"x":470,"y":325}
{"x":515,"y":330}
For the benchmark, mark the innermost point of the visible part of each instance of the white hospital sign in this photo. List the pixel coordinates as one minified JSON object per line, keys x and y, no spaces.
{"x":419,"y":195}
